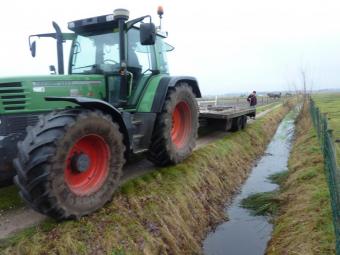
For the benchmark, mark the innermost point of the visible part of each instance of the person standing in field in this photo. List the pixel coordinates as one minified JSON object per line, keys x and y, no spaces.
{"x":252,"y":99}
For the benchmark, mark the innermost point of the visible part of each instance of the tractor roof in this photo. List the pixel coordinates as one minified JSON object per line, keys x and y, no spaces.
{"x":99,"y":24}
{"x":93,"y":25}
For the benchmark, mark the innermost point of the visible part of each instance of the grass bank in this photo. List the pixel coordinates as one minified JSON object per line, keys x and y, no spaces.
{"x":303,"y":224}
{"x":168,"y":211}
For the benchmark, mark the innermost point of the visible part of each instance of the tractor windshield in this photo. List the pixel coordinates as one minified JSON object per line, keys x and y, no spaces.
{"x":95,"y":54}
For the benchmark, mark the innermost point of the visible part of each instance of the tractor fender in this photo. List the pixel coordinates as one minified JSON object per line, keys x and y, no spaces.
{"x":169,"y":82}
{"x":92,"y":103}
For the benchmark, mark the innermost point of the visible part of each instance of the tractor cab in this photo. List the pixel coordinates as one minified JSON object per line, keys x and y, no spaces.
{"x":126,"y":54}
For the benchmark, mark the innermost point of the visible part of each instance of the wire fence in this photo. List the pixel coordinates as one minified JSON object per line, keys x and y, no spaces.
{"x":326,"y":138}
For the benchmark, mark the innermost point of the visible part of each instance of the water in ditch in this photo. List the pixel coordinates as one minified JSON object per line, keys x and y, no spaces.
{"x":245,"y":233}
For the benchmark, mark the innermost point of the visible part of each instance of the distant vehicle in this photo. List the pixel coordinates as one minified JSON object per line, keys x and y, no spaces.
{"x":274,"y":95}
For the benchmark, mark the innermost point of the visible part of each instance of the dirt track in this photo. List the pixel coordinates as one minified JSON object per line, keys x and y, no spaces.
{"x":15,"y":220}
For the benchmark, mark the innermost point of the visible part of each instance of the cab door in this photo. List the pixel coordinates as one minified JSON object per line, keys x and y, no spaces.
{"x":141,"y":65}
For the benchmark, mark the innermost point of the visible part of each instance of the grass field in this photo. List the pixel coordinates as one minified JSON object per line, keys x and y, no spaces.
{"x":330,"y":104}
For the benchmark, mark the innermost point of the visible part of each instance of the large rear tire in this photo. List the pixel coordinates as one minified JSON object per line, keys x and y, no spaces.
{"x":175,"y":132}
{"x":70,"y":163}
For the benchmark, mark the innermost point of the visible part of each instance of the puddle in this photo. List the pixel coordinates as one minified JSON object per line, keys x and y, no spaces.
{"x":245,"y":233}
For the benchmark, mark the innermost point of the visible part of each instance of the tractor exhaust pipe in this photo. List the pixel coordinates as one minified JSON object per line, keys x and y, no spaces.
{"x":60,"y":53}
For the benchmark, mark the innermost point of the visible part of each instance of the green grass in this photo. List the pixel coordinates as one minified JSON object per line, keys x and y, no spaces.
{"x":330,"y":105}
{"x":168,"y":211}
{"x":279,"y":178}
{"x":9,"y":198}
{"x":266,"y":203}
{"x":263,"y":203}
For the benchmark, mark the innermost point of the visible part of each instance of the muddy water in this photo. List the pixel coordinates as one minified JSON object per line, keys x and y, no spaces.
{"x":244,"y":233}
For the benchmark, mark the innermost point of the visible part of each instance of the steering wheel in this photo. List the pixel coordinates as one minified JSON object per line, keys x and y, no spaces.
{"x":110,"y":60}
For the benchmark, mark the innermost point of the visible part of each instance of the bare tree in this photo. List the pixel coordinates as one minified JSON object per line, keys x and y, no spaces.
{"x":307,"y":81}
{"x":304,"y":83}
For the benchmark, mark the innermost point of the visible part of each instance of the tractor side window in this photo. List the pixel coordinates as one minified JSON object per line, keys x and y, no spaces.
{"x":84,"y":54}
{"x":95,"y":53}
{"x":161,"y":49}
{"x":140,"y":61}
{"x":143,"y":54}
{"x":138,"y":56}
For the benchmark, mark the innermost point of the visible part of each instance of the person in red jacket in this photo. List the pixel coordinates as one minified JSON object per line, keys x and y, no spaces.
{"x":252,"y":99}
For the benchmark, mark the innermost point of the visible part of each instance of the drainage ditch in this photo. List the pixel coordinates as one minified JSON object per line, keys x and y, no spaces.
{"x":245,"y":233}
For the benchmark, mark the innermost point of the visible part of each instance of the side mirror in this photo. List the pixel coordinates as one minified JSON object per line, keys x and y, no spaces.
{"x":147,"y":33}
{"x":33,"y":48}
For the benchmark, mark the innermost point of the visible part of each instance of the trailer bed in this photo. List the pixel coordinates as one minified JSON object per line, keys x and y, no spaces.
{"x":225,"y":118}
{"x":226,"y":112}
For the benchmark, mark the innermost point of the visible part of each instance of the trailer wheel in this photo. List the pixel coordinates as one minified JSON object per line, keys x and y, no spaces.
{"x":70,"y":163}
{"x":227,"y":124}
{"x":244,"y":121}
{"x":175,"y":131}
{"x":236,"y":124}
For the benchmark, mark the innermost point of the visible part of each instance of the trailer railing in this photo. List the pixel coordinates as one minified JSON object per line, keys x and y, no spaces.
{"x":234,"y":102}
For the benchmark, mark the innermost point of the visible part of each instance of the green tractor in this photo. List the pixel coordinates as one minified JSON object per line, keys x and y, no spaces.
{"x":70,"y":135}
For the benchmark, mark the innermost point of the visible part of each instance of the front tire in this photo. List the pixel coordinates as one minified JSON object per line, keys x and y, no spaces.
{"x":175,"y":132}
{"x":70,"y":163}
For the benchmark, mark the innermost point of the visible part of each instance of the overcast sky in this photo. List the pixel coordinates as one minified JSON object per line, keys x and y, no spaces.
{"x":230,"y":46}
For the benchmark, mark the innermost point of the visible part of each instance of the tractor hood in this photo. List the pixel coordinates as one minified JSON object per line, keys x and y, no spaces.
{"x":27,"y":93}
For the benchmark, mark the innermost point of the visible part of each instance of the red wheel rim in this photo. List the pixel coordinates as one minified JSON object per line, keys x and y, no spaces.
{"x":181,"y":125}
{"x":97,"y":153}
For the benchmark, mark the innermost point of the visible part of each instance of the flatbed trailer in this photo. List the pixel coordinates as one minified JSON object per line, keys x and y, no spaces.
{"x":226,"y":118}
